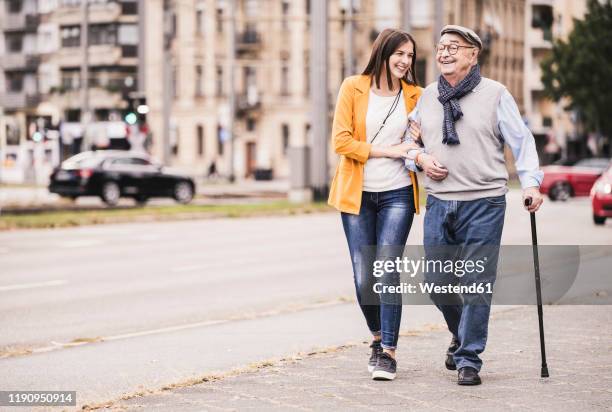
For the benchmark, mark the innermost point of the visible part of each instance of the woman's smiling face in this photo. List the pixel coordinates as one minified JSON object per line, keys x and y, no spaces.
{"x":401,"y":59}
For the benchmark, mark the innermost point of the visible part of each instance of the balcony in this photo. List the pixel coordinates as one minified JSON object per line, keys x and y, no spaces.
{"x":100,"y":55}
{"x":98,"y":13}
{"x":13,"y":61}
{"x":540,"y":38}
{"x":20,"y":62}
{"x":248,"y":42}
{"x":247,"y":104}
{"x":21,"y":22}
{"x":19,"y":100}
{"x":32,"y":21}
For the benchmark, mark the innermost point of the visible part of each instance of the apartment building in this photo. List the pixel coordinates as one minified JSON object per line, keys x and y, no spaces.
{"x":271,"y":80}
{"x":272,"y":64}
{"x":40,"y":77}
{"x":270,"y":70}
{"x":554,"y":128}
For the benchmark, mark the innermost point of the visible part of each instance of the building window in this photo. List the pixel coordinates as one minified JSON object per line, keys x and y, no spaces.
{"x":174,"y":25}
{"x":102,"y":34}
{"x":219,"y":82}
{"x":175,"y":84}
{"x":129,"y":7}
{"x":285,"y":10}
{"x":199,"y":22}
{"x":285,"y":137}
{"x":421,"y":71}
{"x":284,"y":78}
{"x":14,"y":42}
{"x":175,"y":138}
{"x":15,"y":6}
{"x":72,"y":115}
{"x":14,"y":82}
{"x":306,"y":74}
{"x":199,"y":92}
{"x":220,"y":139}
{"x":307,"y":134}
{"x":71,"y":36}
{"x":200,"y":142}
{"x":250,"y":124}
{"x":219,"y":20}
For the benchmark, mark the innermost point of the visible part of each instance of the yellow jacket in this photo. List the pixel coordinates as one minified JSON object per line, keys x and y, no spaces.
{"x":349,"y":140}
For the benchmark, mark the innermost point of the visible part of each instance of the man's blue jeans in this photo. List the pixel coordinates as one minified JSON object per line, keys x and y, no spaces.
{"x":384,"y":219}
{"x":469,"y":230}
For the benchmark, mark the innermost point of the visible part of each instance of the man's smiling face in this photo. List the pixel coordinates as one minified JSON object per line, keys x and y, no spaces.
{"x":457,"y":65}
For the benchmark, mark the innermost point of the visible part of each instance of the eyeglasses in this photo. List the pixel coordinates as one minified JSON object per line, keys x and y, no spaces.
{"x":452,"y":48}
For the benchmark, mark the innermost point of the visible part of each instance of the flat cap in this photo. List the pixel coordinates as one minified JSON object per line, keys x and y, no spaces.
{"x":468,"y":34}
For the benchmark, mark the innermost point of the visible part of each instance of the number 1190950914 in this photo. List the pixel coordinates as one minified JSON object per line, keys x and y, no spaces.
{"x":37,"y":398}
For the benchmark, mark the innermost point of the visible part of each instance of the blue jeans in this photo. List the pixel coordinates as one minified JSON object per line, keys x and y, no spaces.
{"x":467,"y":230}
{"x":384,"y":219}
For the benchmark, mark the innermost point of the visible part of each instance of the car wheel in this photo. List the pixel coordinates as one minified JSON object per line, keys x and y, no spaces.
{"x":183,"y":192}
{"x":599,"y":220}
{"x":141,"y":200}
{"x":110,"y":193}
{"x":560,"y":191}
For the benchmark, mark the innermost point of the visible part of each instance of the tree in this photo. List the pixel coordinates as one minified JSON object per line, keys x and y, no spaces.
{"x":580,"y":69}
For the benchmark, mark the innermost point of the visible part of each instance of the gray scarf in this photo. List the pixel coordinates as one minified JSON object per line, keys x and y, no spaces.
{"x":449,"y":97}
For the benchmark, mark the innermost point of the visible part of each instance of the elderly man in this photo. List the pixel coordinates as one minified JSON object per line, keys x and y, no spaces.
{"x":465,"y":120}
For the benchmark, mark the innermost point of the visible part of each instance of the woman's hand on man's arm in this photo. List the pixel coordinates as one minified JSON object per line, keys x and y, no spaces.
{"x":398,"y":151}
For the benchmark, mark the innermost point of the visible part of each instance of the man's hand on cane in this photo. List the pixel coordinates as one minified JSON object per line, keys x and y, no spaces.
{"x":536,"y":198}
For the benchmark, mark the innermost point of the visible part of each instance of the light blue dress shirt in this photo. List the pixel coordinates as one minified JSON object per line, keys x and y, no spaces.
{"x":515,"y":134}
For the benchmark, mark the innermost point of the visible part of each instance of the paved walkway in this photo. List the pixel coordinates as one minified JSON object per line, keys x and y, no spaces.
{"x":579,"y":344}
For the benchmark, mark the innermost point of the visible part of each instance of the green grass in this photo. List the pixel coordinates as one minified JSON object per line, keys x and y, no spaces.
{"x":155,"y":213}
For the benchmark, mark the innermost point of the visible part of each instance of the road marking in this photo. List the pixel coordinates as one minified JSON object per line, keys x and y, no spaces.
{"x":80,"y":243}
{"x":250,"y":316}
{"x":32,"y":285}
{"x":150,"y":237}
{"x":187,"y":268}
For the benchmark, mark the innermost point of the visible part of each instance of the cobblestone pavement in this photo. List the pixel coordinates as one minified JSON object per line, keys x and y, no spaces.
{"x":579,"y":349}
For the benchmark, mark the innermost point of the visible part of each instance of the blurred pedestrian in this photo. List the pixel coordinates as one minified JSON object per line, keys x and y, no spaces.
{"x":376,"y":195}
{"x":212,"y":170}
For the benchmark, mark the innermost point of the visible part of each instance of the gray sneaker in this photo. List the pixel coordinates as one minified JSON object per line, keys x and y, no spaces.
{"x":376,"y":351}
{"x":385,"y":368}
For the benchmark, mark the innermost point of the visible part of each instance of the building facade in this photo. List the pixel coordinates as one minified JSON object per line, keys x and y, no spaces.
{"x":40,"y":79}
{"x":554,"y":128}
{"x":271,"y":69}
{"x":186,"y":70}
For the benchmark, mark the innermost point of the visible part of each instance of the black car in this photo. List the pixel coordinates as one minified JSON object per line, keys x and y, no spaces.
{"x":112,"y":174}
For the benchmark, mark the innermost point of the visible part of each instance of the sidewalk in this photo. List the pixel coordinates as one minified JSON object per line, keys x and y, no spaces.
{"x":579,"y":358}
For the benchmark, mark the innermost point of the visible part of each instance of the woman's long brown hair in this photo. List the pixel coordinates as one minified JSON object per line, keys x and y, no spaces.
{"x":387,"y":42}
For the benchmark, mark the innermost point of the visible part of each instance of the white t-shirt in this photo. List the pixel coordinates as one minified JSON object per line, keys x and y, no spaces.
{"x":383,"y":173}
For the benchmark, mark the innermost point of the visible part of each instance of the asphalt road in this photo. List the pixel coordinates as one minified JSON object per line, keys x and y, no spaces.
{"x":115,"y":309}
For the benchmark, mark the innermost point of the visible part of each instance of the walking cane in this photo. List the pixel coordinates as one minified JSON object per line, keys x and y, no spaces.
{"x":536,"y":266}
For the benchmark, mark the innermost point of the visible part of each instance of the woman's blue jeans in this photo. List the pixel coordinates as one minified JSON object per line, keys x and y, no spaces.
{"x":384,"y":219}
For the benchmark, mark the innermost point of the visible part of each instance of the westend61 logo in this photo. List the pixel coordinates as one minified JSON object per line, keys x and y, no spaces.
{"x":412,"y":267}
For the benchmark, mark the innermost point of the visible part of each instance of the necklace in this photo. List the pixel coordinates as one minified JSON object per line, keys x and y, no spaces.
{"x":391,"y":110}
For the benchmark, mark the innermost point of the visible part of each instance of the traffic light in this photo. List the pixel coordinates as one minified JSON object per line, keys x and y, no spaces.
{"x":131,"y":118}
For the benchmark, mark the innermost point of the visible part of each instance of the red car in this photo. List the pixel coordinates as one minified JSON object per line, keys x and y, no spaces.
{"x":562,"y":181}
{"x":601,"y":197}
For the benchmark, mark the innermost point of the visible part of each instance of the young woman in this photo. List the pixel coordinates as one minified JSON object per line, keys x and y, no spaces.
{"x":376,"y":195}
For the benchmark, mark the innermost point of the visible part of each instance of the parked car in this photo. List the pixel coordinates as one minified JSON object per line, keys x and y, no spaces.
{"x":562,"y":181}
{"x":601,"y":197}
{"x":111,"y":174}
